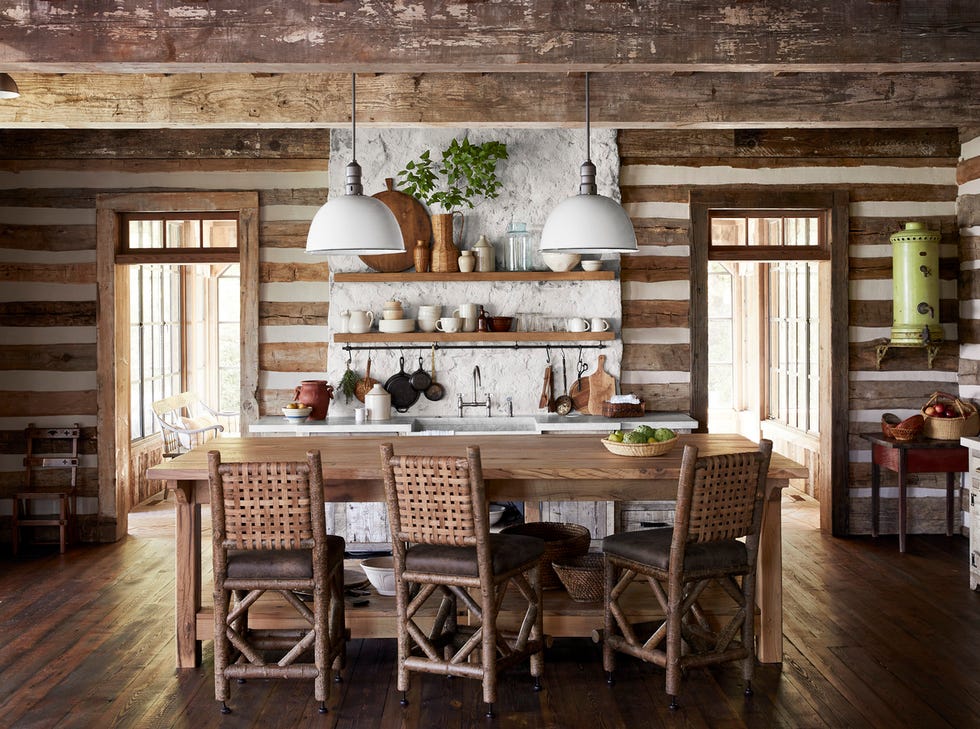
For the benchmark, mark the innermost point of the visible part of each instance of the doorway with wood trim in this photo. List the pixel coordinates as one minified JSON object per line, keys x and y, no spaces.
{"x":770,"y":355}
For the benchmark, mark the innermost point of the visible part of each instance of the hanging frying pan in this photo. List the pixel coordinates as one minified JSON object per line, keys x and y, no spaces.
{"x":420,"y":378}
{"x":399,"y":386}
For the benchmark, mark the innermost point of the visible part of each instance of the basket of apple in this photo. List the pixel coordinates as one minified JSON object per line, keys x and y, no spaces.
{"x":949,"y":418}
{"x":641,"y":441}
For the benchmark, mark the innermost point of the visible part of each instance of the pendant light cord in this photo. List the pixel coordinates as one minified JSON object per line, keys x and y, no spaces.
{"x":588,"y":123}
{"x":353,"y":116}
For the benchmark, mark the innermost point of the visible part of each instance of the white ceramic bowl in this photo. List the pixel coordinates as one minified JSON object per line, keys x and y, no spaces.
{"x":380,"y":572}
{"x":591,"y":265}
{"x":560,"y":262}
{"x":396,"y":326}
{"x":297,"y":414}
{"x":496,"y":513}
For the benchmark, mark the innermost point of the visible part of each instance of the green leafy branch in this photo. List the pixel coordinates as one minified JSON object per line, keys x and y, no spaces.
{"x":466,"y":171}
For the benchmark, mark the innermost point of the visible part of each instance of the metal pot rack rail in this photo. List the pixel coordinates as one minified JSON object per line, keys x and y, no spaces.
{"x":436,"y":345}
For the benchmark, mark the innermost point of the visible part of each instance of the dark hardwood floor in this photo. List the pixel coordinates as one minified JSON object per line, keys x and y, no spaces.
{"x":872,"y":639}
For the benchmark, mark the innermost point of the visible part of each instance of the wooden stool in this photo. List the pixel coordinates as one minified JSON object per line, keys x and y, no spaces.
{"x":24,"y":513}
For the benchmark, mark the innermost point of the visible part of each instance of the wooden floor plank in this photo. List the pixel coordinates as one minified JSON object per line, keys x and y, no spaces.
{"x":873,"y":638}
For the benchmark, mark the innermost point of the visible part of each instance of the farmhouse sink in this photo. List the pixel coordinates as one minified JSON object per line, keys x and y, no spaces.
{"x":451,"y":426}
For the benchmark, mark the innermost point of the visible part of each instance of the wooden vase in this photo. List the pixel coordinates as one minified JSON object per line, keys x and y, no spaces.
{"x":422,"y":256}
{"x":445,"y":255}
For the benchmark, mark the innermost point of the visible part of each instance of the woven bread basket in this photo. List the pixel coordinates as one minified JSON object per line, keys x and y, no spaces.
{"x":639,"y":449}
{"x":966,"y":422}
{"x":561,"y":543}
{"x":893,"y":427}
{"x":582,"y":577}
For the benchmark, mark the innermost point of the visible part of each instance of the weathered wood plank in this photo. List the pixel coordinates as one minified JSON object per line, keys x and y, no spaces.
{"x":661,"y":235}
{"x":938,"y":145}
{"x":864,"y":230}
{"x":655,"y":268}
{"x":74,"y":273}
{"x":293,"y":356}
{"x":85,"y":197}
{"x":284,"y":313}
{"x":565,"y":35}
{"x":47,"y":313}
{"x":48,"y":357}
{"x":896,"y":394}
{"x":656,"y":357}
{"x":968,"y":210}
{"x":881,"y":268}
{"x":20,"y":404}
{"x":856,"y":192}
{"x":968,"y":332}
{"x":880,"y":313}
{"x":670,"y":397}
{"x":48,"y":237}
{"x":660,"y":313}
{"x":315,"y":270}
{"x":968,"y":170}
{"x":283,"y":233}
{"x":624,"y":100}
{"x":146,"y":146}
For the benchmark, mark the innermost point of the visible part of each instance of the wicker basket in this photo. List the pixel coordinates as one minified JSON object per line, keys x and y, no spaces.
{"x":623,"y":409}
{"x":894,"y":427}
{"x":639,"y":449}
{"x":966,"y":423}
{"x":582,"y":577}
{"x":561,"y":543}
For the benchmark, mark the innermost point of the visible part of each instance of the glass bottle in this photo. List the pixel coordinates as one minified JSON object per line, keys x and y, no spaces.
{"x":518,"y":248}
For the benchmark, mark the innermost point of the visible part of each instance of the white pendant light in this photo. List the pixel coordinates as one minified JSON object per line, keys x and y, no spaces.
{"x":354,"y":225}
{"x":588,"y":222}
{"x":8,"y":87}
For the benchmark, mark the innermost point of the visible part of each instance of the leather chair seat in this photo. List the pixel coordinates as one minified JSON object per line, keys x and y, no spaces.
{"x":652,"y":547}
{"x":280,"y":564}
{"x":507,"y":552}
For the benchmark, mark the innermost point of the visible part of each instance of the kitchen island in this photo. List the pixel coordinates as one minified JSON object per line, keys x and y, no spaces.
{"x":516,"y":468}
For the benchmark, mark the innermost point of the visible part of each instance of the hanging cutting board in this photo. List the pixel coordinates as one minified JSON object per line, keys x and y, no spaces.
{"x":602,"y":386}
{"x":580,"y":395}
{"x":414,"y":222}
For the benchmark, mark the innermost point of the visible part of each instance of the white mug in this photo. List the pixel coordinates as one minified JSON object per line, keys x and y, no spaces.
{"x":360,"y":321}
{"x":576,"y":324}
{"x":467,"y":311}
{"x":430,"y":311}
{"x":428,"y":324}
{"x":359,"y":415}
{"x":599,"y":325}
{"x":469,"y":324}
{"x":448,"y":324}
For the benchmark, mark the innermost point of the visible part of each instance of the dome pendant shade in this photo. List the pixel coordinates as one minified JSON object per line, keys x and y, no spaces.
{"x":354,"y":225}
{"x":588,"y":224}
{"x":8,"y":87}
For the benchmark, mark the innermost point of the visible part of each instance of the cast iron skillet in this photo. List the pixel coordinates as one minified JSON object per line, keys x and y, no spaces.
{"x":399,"y":386}
{"x":420,"y":378}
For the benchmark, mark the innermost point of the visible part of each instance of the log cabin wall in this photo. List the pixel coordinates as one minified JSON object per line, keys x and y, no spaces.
{"x":891,"y":176}
{"x":48,"y":304}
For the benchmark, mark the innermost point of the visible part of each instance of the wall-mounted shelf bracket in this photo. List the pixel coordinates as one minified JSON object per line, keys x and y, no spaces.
{"x":882,"y":349}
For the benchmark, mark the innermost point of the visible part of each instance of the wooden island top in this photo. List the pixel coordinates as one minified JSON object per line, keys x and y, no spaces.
{"x":530,"y":468}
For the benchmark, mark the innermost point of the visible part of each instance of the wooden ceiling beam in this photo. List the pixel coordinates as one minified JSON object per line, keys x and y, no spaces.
{"x":621,"y":100}
{"x":314,"y":36}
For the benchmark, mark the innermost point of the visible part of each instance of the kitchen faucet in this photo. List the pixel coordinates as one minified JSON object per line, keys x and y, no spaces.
{"x":477,"y":382}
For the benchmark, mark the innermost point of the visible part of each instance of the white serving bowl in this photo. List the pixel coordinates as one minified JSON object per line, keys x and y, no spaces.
{"x":591,"y":265}
{"x":297,"y":414}
{"x":380,"y":572}
{"x":560,"y":262}
{"x":496,"y":513}
{"x":396,"y":326}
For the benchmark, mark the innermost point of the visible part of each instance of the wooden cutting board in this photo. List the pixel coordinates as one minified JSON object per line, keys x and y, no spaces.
{"x":414,"y":222}
{"x":602,"y":386}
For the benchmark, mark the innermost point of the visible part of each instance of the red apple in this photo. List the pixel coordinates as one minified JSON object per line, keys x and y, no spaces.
{"x":930,"y":410}
{"x":939,"y":408}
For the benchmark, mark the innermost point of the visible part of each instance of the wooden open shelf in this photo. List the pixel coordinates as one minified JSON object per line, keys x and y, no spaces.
{"x":372,"y":277}
{"x":496,"y":337}
{"x":563,"y":617}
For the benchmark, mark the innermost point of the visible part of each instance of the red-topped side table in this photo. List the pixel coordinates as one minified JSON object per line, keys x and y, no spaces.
{"x":924,"y":455}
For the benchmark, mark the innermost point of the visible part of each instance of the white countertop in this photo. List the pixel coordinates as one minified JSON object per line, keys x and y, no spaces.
{"x":403,"y":424}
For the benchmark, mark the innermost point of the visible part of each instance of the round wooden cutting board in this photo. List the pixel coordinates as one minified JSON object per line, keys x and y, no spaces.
{"x":414,"y":222}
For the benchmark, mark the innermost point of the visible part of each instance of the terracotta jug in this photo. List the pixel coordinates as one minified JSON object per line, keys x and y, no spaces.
{"x":317,"y":394}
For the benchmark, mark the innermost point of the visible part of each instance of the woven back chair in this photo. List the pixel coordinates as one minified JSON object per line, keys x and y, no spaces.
{"x":269,"y":534}
{"x":442,"y":547}
{"x":719,"y":502}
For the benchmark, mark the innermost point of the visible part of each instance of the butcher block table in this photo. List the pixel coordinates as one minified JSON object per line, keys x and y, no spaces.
{"x":528,"y":468}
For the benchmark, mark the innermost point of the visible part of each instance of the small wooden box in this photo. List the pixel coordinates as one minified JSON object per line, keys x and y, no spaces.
{"x":623,"y":409}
